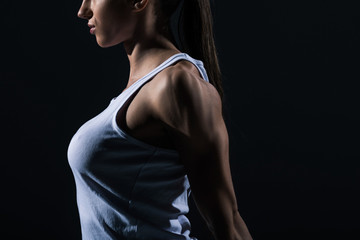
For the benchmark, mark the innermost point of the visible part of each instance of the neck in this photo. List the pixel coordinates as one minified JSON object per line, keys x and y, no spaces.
{"x":146,"y":54}
{"x":148,"y":47}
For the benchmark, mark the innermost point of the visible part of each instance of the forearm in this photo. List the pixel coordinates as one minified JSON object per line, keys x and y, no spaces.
{"x":230,"y":229}
{"x":241,"y":230}
{"x":222,"y":217}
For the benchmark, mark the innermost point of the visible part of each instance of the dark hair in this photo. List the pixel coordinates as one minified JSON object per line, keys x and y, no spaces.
{"x":195,"y":34}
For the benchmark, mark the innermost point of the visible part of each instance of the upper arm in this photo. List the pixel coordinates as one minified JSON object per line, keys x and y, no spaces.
{"x":191,"y":110}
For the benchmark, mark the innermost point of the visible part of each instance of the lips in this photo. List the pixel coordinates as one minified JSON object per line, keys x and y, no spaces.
{"x":92,"y":28}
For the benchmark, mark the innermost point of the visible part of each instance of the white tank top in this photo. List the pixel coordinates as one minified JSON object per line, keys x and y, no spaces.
{"x":128,"y":189}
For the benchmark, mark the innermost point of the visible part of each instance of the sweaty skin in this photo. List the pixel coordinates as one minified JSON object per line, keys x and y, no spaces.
{"x":176,"y":109}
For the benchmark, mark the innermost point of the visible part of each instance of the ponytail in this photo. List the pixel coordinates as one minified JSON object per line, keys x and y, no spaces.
{"x":189,"y":25}
{"x":197,"y":38}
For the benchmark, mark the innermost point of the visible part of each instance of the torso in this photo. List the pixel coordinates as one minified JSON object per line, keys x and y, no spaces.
{"x":139,"y":121}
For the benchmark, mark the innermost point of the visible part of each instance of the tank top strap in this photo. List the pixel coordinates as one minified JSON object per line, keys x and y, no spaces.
{"x":198,"y":64}
{"x":175,"y":58}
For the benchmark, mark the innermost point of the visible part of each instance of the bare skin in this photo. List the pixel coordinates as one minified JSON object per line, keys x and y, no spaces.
{"x":176,"y":109}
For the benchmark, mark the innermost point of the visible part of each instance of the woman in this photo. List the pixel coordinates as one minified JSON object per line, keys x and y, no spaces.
{"x":134,"y":163}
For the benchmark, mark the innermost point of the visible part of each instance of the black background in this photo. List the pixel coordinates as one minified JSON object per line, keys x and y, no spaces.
{"x":291,"y":72}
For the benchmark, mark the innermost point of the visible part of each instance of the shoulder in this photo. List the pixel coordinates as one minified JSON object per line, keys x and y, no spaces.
{"x":180,"y":98}
{"x":183,"y":83}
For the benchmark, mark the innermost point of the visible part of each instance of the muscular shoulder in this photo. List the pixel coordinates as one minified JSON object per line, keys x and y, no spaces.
{"x":183,"y":101}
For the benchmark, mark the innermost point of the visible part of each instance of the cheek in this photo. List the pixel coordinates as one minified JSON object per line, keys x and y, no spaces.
{"x":112,"y":27}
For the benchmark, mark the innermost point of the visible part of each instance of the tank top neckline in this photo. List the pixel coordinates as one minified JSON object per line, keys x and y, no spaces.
{"x":125,"y":94}
{"x":159,"y":67}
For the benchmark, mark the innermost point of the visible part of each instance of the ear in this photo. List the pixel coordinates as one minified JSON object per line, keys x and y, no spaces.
{"x":139,"y":5}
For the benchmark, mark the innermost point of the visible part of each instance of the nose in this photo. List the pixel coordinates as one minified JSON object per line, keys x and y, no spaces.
{"x":85,"y":11}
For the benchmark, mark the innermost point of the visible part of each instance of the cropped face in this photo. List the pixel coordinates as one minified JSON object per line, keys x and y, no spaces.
{"x":111,"y":21}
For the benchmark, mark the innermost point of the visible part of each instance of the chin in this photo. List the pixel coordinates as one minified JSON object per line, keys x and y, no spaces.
{"x":104,"y":43}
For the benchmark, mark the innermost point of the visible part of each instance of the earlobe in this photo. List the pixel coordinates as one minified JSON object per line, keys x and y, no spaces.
{"x":140,"y":5}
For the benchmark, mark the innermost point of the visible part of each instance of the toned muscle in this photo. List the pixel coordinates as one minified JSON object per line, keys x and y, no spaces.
{"x":140,"y":121}
{"x":191,"y":111}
